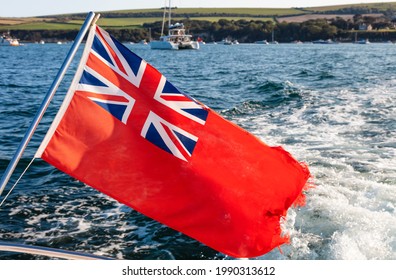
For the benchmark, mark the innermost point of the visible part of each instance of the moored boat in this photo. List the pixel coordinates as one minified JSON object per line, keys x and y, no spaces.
{"x":262,"y":42}
{"x":362,"y":42}
{"x":7,"y":40}
{"x":324,"y":42}
{"x":226,"y":42}
{"x":177,"y":39}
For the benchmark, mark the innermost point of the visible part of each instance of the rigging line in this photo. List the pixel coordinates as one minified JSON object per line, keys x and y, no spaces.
{"x":17,"y":181}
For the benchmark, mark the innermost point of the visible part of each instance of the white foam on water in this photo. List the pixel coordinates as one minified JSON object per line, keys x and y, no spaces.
{"x":351,"y":213}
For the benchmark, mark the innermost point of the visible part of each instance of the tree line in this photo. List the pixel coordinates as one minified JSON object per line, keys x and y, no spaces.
{"x":249,"y":31}
{"x":245,"y":31}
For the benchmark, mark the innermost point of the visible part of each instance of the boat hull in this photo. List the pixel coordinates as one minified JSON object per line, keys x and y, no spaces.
{"x":167,"y":45}
{"x":9,"y":42}
{"x":163,"y":45}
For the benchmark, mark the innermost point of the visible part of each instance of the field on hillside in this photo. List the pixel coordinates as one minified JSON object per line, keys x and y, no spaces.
{"x":17,"y":21}
{"x":42,"y":26}
{"x":206,"y":11}
{"x":379,"y":6}
{"x":136,"y":18}
{"x":306,"y":17}
{"x":114,"y":23}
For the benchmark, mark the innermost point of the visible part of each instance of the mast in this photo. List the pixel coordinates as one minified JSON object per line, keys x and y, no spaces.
{"x":163,"y":20}
{"x":170,"y":8}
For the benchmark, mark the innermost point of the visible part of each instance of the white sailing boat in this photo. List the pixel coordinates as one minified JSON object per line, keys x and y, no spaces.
{"x":177,"y":39}
{"x":7,"y":40}
{"x":273,"y":40}
{"x":362,"y":41}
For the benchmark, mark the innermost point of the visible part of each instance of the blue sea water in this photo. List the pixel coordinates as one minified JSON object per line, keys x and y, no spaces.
{"x":331,"y":106}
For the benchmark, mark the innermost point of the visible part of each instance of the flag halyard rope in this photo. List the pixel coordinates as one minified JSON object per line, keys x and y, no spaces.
{"x":17,"y":181}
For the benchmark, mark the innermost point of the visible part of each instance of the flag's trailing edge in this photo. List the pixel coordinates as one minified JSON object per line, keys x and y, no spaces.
{"x":125,"y":130}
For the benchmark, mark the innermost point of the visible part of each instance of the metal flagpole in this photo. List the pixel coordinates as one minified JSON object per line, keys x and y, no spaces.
{"x":48,"y":252}
{"x":44,"y":105}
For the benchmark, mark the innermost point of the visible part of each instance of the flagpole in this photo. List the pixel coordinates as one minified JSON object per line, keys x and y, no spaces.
{"x":44,"y":105}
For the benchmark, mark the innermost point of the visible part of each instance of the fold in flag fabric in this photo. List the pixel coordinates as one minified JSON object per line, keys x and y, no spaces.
{"x":126,"y":131}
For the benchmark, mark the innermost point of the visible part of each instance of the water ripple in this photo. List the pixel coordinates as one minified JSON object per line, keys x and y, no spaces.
{"x":330,"y":106}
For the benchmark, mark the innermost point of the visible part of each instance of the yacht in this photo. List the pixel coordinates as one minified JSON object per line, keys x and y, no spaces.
{"x":7,"y":40}
{"x":177,"y":39}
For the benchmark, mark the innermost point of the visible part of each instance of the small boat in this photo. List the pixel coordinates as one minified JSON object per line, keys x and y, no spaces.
{"x":324,"y":42}
{"x":273,"y":40}
{"x":226,"y":42}
{"x":201,"y":41}
{"x":262,"y":42}
{"x":362,"y":42}
{"x":177,"y":39}
{"x":265,"y":42}
{"x":7,"y":40}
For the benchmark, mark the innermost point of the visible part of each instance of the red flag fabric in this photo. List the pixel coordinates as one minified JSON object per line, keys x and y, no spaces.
{"x":125,"y":130}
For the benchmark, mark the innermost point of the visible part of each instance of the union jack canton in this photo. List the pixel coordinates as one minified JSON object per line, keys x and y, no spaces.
{"x":114,"y":78}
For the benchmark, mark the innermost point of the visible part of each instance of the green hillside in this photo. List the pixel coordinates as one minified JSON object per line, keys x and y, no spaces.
{"x":374,"y":7}
{"x":255,"y":12}
{"x":134,"y":19}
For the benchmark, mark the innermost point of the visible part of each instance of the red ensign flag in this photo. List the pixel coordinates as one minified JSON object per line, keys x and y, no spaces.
{"x":125,"y":130}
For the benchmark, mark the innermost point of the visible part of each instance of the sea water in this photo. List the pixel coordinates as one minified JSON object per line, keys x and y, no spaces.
{"x":331,"y":106}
